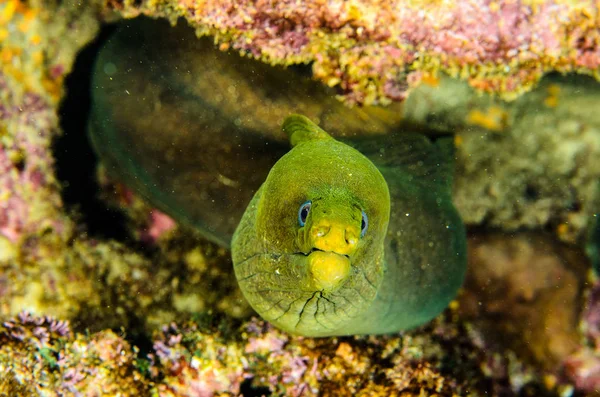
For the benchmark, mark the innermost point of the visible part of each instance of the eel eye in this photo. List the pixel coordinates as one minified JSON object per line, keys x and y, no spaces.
{"x":364,"y":224}
{"x":303,"y":212}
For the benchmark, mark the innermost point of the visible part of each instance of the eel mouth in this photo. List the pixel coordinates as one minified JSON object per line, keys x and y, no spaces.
{"x":313,"y":250}
{"x":328,"y":269}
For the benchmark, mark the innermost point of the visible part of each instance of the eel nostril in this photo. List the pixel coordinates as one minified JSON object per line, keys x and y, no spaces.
{"x":322,"y":230}
{"x":341,"y":239}
{"x":350,"y":236}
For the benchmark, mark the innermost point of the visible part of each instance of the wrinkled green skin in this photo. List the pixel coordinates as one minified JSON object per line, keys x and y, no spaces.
{"x":408,"y":265}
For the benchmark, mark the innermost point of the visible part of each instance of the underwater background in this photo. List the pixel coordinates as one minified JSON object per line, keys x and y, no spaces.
{"x":106,"y":289}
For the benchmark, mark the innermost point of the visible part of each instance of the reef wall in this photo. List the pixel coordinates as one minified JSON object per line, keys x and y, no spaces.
{"x":531,"y":163}
{"x":375,"y":50}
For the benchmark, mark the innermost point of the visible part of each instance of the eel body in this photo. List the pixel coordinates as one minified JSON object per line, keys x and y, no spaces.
{"x":331,"y":244}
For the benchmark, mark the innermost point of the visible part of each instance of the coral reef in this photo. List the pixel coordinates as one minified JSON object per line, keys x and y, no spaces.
{"x":374,"y":50}
{"x":32,"y":217}
{"x":524,"y":292}
{"x":265,"y":360}
{"x":40,"y":356}
{"x":31,"y":77}
{"x":100,"y":285}
{"x":30,"y":201}
{"x":531,"y":163}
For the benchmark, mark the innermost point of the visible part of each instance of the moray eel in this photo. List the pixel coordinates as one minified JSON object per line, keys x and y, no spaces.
{"x":335,"y":242}
{"x":333,"y":245}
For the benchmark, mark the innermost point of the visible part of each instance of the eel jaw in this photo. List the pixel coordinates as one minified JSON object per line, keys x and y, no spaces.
{"x":328,"y":269}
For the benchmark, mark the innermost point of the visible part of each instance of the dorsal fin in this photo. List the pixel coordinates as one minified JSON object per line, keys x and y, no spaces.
{"x":301,"y":129}
{"x":420,"y":159}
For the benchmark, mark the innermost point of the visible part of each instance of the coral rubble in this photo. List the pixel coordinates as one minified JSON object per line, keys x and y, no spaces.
{"x":42,"y":356}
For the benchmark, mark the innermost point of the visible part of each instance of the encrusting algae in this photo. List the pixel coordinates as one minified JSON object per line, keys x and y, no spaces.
{"x":375,"y":51}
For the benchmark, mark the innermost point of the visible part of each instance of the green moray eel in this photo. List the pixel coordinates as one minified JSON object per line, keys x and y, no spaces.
{"x":349,"y":233}
{"x":326,"y":248}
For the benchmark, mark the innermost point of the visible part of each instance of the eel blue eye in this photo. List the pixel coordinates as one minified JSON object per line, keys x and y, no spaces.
{"x":303,"y":212}
{"x":364,"y":224}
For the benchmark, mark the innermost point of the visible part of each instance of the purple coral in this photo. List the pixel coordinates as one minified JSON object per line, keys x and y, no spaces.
{"x":42,"y":353}
{"x":37,"y":330}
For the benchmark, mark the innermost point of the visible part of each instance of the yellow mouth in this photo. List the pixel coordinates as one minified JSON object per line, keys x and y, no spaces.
{"x":328,"y":269}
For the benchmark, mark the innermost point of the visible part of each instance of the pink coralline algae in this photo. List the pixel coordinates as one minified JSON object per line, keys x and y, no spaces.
{"x":29,"y":194}
{"x":373,"y":49}
{"x":159,"y":223}
{"x":259,"y":359}
{"x":149,"y":224}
